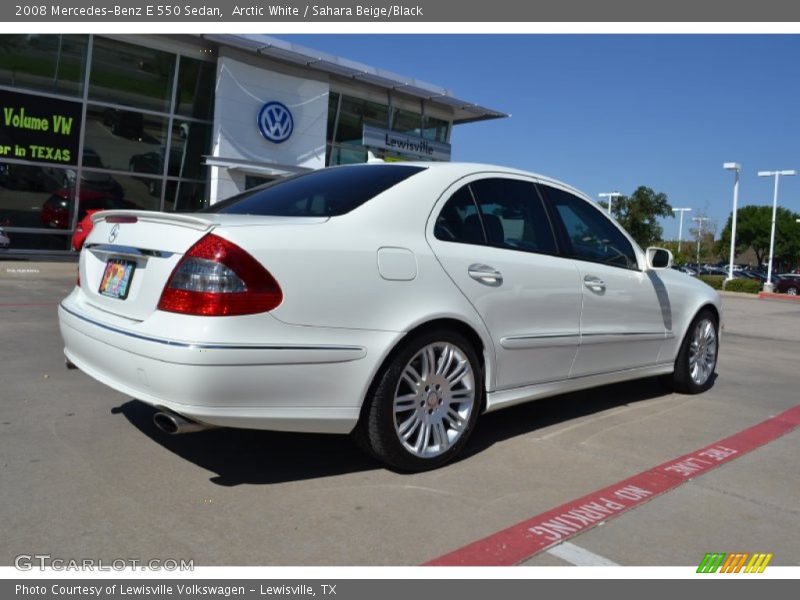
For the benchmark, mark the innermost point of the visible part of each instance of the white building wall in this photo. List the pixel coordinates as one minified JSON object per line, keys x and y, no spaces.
{"x":242,"y":89}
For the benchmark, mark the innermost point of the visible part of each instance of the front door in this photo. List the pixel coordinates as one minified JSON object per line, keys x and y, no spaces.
{"x":625,"y":316}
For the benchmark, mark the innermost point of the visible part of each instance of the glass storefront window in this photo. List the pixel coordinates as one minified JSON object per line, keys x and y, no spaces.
{"x":126,"y":192}
{"x":434,"y":129}
{"x":124,"y":140}
{"x":349,"y":129}
{"x":126,"y":161}
{"x":333,"y":106}
{"x":47,"y":63}
{"x":354,"y":115}
{"x":347,"y":155}
{"x":195,"y":97}
{"x":185,"y":196}
{"x":25,"y":191}
{"x":404,"y":121}
{"x":251,"y":181}
{"x":131,"y":75}
{"x":190,"y":141}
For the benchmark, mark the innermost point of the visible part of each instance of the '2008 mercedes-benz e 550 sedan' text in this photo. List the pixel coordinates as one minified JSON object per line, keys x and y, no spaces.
{"x":396,"y":302}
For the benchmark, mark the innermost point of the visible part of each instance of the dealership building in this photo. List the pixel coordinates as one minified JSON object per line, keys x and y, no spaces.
{"x":174,"y":122}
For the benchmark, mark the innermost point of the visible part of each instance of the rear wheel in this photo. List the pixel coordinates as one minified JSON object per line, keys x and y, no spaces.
{"x":697,"y":359}
{"x":792,"y":291}
{"x":424,"y":404}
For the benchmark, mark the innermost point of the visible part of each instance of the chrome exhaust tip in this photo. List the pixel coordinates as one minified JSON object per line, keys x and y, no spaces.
{"x":173,"y":423}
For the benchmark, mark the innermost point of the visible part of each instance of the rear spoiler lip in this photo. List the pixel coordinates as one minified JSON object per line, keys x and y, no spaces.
{"x":147,"y":216}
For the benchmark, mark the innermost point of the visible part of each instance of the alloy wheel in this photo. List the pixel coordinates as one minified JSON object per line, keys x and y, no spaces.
{"x":434,"y":399}
{"x":703,"y":352}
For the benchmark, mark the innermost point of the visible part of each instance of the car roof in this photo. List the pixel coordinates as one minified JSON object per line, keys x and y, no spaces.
{"x":461,"y":169}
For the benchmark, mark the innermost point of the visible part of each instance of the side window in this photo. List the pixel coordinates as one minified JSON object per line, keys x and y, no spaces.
{"x":459,"y":220}
{"x":513,"y":215}
{"x":589,"y":234}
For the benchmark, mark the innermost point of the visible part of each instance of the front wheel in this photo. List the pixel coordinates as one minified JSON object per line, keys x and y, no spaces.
{"x":424,"y":404}
{"x":697,"y":359}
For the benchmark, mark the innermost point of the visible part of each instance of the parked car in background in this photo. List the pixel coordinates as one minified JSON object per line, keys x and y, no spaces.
{"x":124,"y":123}
{"x":96,"y":181}
{"x":57,"y":209}
{"x":396,"y":302}
{"x":5,"y":241}
{"x":789,"y":284}
{"x":83,"y":229}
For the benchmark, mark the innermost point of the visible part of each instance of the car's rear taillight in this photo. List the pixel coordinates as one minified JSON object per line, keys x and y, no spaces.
{"x":217,"y":278}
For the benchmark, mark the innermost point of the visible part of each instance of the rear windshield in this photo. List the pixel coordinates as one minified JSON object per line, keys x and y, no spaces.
{"x":323,"y":193}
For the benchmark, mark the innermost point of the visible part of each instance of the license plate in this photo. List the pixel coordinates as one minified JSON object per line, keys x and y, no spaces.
{"x":117,"y":278}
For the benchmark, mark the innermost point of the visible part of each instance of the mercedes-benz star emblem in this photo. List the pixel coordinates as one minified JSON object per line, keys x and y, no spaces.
{"x":275,"y":122}
{"x":112,"y":235}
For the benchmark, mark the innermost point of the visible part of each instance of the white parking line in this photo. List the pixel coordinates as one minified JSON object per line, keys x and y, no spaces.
{"x":580,"y":557}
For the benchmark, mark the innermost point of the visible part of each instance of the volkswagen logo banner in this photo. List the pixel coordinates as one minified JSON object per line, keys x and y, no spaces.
{"x":275,"y":122}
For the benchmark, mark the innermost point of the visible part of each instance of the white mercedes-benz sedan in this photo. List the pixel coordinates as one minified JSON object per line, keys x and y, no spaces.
{"x":396,"y":302}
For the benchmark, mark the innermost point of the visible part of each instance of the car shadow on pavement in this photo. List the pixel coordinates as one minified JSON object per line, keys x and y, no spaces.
{"x":246,"y":456}
{"x":249,"y":456}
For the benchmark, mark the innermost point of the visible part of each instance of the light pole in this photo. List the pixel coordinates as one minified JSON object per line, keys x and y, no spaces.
{"x":610,"y":196}
{"x":768,"y":287}
{"x":735,"y":167}
{"x":680,"y":224}
{"x":700,"y":220}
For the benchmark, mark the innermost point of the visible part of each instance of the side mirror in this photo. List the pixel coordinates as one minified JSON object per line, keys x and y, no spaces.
{"x":658,"y":258}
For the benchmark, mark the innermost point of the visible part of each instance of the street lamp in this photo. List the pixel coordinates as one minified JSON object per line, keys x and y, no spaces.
{"x":700,"y":220}
{"x":735,"y":167}
{"x":680,"y":225}
{"x":768,"y":287}
{"x":610,"y":196}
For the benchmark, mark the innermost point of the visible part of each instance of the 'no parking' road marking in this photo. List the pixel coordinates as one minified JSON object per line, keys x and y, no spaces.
{"x":523,"y":540}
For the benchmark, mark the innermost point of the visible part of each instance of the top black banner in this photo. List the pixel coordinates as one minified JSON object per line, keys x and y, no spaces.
{"x":437,"y":11}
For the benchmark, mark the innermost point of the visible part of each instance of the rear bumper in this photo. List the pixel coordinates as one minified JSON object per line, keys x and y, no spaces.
{"x":296,"y":384}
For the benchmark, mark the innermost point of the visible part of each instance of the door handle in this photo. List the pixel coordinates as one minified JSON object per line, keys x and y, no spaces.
{"x":486,"y":275}
{"x":595,"y":284}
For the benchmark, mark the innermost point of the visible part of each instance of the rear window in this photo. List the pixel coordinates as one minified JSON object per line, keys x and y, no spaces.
{"x":323,"y":193}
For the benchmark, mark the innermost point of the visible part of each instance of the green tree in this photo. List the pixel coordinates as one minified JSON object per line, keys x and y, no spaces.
{"x":706,"y":232}
{"x":686,"y":255}
{"x":753,"y":225}
{"x":639,"y":212}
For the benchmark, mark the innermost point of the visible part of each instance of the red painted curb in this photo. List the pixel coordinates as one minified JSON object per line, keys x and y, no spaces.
{"x":773,"y":296}
{"x":523,"y":540}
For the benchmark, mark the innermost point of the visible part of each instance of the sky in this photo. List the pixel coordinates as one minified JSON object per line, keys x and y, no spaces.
{"x":613,"y":112}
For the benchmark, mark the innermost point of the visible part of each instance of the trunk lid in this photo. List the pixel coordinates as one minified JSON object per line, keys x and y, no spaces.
{"x":129,"y":255}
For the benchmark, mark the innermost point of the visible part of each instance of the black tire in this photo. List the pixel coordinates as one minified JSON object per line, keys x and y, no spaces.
{"x":682,"y":380}
{"x":377,"y":431}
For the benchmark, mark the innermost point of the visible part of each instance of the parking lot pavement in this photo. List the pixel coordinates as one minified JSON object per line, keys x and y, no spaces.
{"x":85,"y":474}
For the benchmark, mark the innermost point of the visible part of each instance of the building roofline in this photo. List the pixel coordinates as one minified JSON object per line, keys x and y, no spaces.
{"x":330,"y":64}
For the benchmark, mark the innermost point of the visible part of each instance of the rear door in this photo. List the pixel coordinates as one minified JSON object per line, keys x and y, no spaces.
{"x":494,"y":239}
{"x":626,"y":313}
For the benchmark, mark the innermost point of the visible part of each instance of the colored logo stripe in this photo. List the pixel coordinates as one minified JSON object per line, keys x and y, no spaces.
{"x":758,"y":563}
{"x":734,"y":563}
{"x":711,"y":562}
